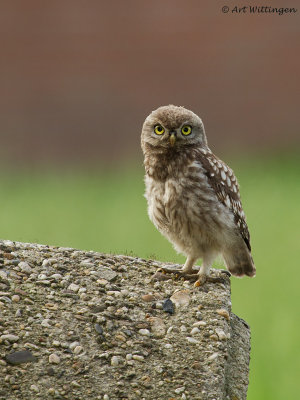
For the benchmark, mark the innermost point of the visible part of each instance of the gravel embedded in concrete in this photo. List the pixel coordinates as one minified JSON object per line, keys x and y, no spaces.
{"x":78,"y":324}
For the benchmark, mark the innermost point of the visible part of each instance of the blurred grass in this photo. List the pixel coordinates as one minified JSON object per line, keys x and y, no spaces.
{"x":106,"y":211}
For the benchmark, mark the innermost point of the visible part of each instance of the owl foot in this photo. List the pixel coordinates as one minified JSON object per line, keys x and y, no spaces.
{"x":201,"y":280}
{"x":210,"y":279}
{"x":179,"y":273}
{"x":187,"y":277}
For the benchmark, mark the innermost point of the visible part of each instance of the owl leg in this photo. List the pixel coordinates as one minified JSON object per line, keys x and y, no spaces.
{"x":188,"y":266}
{"x":204,"y":269}
{"x":186,"y":272}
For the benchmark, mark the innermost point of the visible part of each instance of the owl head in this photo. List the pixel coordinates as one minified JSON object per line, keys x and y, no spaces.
{"x":173,"y":128}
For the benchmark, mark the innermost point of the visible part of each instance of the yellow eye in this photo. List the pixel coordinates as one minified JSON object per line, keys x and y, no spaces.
{"x":158,"y":129}
{"x":186,"y":130}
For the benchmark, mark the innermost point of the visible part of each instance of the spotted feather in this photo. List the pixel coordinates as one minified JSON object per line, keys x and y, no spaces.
{"x":223,"y":181}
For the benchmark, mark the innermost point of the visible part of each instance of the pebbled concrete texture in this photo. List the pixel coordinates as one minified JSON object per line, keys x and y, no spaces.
{"x":102,"y":326}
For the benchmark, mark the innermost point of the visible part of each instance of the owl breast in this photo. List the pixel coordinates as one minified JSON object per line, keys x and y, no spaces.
{"x":185,"y":209}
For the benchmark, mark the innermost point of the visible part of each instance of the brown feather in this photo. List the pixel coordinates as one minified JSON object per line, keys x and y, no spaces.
{"x":225,"y":192}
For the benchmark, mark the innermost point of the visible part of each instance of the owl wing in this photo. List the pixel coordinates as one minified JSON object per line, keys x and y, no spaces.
{"x":224,"y":183}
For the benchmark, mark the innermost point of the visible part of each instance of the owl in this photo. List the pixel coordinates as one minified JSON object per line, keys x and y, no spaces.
{"x":193,"y":197}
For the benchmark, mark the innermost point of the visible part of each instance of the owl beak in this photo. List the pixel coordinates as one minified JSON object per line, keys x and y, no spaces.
{"x":172,"y":138}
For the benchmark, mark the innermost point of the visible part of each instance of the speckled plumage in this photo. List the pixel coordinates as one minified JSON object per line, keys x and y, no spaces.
{"x":193,"y":197}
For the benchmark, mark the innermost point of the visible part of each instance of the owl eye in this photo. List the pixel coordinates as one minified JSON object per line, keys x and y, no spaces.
{"x":186,"y":130}
{"x":158,"y":129}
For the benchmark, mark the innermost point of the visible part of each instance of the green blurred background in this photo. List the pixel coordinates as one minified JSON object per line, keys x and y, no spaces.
{"x":106,"y":211}
{"x":77,"y":80}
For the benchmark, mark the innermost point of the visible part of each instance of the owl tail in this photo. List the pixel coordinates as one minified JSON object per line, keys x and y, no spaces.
{"x":239,"y":261}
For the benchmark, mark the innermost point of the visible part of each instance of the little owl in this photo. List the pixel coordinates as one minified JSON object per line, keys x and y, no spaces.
{"x":193,"y":197}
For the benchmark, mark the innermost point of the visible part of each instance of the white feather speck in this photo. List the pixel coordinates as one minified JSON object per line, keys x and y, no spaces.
{"x":227,"y":201}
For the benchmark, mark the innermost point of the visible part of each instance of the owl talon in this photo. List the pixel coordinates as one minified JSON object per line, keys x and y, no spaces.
{"x":210,"y":279}
{"x":200,"y":281}
{"x":225,"y":272}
